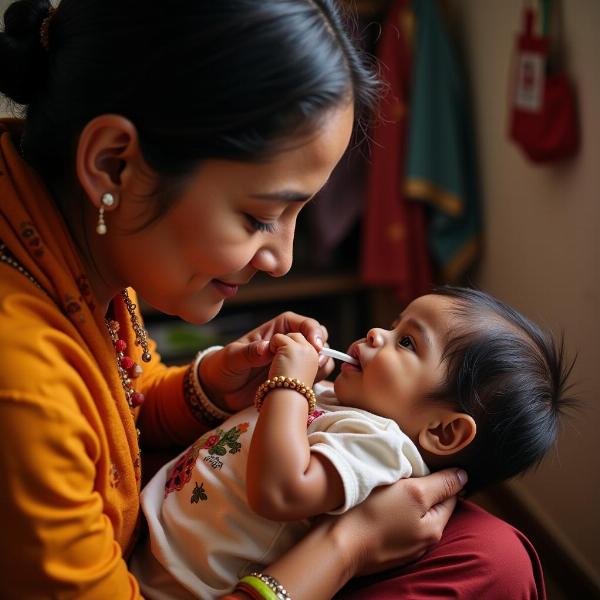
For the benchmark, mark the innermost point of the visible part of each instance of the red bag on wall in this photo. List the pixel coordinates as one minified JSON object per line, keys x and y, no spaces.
{"x":543,"y":119}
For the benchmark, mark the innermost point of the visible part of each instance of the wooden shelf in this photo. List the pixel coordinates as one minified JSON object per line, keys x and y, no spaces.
{"x":290,"y":288}
{"x":294,"y":288}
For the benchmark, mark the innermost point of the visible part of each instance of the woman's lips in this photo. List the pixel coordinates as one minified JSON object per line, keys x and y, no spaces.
{"x":227,"y":289}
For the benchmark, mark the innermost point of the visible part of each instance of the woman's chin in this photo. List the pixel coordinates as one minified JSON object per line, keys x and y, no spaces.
{"x":196,"y":313}
{"x":199,"y":315}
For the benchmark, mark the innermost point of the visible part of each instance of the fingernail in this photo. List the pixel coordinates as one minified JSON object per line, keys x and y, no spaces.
{"x":322,"y":360}
{"x":462,"y":476}
{"x":319,"y":341}
{"x":261,"y":348}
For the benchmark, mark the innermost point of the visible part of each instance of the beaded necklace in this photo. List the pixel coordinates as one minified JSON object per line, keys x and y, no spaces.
{"x":9,"y":260}
{"x":127,"y":368}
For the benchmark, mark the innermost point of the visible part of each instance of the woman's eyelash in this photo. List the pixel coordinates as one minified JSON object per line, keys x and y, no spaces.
{"x":260,"y":225}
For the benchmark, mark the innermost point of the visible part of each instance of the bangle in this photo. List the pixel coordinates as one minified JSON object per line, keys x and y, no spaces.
{"x":268,"y":587}
{"x":257,"y":590}
{"x":284,"y":382}
{"x":197,"y":400}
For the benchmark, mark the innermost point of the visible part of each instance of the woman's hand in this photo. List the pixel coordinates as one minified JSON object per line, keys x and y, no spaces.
{"x":399,"y":523}
{"x":230,"y":376}
{"x":395,"y":525}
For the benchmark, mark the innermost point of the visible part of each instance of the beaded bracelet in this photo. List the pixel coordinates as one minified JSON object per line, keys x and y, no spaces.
{"x":268,"y":587}
{"x":198,"y":402}
{"x":285,"y":382}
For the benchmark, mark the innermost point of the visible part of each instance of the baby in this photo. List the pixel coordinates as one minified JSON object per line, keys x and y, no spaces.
{"x":460,"y":380}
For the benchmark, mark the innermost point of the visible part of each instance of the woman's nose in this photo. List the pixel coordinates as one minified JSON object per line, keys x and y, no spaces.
{"x":375,"y":337}
{"x":275,"y":258}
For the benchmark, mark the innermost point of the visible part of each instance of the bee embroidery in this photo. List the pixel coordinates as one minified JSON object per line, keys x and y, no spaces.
{"x":198,"y":494}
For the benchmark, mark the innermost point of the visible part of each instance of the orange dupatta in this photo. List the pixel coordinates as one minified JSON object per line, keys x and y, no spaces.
{"x":35,"y":234}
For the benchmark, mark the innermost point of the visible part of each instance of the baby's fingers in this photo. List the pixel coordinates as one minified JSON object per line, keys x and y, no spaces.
{"x":279,"y":341}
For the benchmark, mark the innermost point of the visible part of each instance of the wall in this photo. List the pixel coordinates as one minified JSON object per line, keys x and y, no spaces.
{"x":542,"y":249}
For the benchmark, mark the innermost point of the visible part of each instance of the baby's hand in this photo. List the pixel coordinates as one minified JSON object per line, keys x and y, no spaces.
{"x":294,"y":357}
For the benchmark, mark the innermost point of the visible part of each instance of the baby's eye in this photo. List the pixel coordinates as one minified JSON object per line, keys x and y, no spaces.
{"x":406,"y":342}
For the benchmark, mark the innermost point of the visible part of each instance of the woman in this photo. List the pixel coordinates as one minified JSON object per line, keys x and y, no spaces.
{"x":167,"y":148}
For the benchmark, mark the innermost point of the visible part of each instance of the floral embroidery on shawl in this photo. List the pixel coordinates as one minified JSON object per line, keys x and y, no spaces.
{"x":32,"y":238}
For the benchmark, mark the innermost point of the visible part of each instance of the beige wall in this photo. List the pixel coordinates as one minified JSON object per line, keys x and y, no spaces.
{"x":542,"y":249}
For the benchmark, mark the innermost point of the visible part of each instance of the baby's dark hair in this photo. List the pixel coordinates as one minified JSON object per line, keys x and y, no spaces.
{"x":511,"y":377}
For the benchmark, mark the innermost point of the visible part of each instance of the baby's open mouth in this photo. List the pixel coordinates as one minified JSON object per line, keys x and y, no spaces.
{"x":355,"y":354}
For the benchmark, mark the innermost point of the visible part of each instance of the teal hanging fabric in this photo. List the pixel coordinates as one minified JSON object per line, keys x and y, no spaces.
{"x":440,"y":169}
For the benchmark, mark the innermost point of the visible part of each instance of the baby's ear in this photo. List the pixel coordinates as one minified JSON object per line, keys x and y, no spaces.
{"x":448,"y":435}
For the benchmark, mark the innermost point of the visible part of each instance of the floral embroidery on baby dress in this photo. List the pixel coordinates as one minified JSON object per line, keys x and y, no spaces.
{"x":199,"y":493}
{"x":217,"y":442}
{"x":314,"y":415}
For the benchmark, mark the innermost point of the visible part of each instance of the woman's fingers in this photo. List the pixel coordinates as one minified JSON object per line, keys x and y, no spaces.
{"x":289,"y":322}
{"x":437,"y":517}
{"x":224,"y":369}
{"x":241,"y":357}
{"x":384,"y":536}
{"x":311,"y":329}
{"x":439,"y":487}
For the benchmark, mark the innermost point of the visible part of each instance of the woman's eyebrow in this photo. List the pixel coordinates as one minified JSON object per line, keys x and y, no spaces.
{"x":284,"y":196}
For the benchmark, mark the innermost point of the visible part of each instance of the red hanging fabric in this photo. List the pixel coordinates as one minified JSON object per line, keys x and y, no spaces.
{"x":543,"y":120}
{"x":394,"y":244}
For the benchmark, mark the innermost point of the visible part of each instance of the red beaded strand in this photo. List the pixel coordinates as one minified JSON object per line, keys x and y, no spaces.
{"x":128,"y":369}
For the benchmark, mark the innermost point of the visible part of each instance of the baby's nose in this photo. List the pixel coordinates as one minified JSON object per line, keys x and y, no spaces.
{"x":375,"y":337}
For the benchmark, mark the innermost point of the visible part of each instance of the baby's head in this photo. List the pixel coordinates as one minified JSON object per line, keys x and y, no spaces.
{"x":471,"y":381}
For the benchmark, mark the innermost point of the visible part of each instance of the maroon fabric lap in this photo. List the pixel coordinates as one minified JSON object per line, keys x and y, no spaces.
{"x":480,"y":557}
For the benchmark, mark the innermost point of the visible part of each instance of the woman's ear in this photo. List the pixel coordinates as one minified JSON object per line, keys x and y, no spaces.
{"x":449,"y":435}
{"x":107,"y":154}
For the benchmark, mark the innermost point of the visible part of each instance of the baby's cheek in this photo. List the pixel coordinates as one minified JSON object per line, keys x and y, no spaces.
{"x":386,"y":377}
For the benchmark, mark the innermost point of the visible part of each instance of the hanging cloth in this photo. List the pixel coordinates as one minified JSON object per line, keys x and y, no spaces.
{"x":440,"y":168}
{"x":543,"y":118}
{"x":394,"y":237}
{"x":338,"y":207}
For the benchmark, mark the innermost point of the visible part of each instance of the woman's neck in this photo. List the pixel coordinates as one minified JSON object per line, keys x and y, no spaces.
{"x":81,"y":224}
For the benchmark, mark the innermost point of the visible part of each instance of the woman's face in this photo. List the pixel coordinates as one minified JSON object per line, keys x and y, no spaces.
{"x":231,"y":220}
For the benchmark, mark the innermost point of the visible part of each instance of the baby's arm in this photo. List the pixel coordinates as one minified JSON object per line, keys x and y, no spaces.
{"x":285,"y":481}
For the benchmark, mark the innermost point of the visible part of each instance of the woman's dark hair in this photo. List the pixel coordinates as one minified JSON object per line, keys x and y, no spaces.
{"x":199,"y":79}
{"x":511,"y":377}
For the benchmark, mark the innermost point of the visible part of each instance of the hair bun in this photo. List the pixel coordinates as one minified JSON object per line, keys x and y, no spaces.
{"x":22,"y":56}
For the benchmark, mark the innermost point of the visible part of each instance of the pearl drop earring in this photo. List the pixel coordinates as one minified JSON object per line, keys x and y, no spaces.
{"x":107,"y":201}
